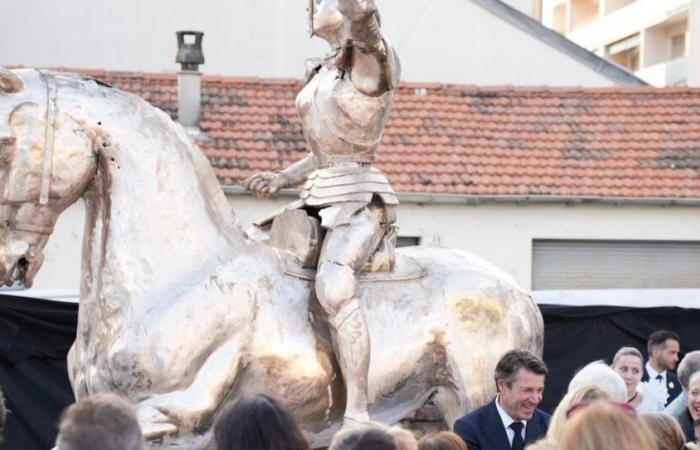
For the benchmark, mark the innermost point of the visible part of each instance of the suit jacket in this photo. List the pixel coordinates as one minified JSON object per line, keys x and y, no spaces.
{"x":673,"y":385}
{"x":483,"y":429}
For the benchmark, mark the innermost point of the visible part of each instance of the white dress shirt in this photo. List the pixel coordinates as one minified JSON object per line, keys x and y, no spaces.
{"x":660,"y":386}
{"x":653,"y":374}
{"x":507,"y":420}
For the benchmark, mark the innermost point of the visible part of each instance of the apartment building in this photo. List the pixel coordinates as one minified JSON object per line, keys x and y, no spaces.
{"x":649,"y":37}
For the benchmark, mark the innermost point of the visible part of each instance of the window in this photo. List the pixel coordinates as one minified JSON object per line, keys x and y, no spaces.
{"x":582,"y":264}
{"x":625,"y":52}
{"x":407,"y":241}
{"x":678,"y":46}
{"x":559,"y":18}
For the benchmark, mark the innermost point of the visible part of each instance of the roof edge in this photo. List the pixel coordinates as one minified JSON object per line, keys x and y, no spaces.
{"x":457,"y":199}
{"x":531,"y":26}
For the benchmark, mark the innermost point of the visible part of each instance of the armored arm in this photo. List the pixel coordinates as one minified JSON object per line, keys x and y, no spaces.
{"x":268,"y":184}
{"x":297,"y":172}
{"x":366,"y":56}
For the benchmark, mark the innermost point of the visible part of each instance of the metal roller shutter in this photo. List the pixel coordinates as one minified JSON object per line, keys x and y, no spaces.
{"x":577,"y":264}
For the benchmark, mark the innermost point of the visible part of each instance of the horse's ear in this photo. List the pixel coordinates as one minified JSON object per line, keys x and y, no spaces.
{"x":9,"y":82}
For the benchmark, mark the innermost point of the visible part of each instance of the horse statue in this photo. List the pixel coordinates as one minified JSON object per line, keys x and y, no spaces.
{"x":181,"y":310}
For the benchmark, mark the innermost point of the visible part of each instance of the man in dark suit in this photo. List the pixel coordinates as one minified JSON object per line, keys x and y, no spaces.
{"x":663,"y":347}
{"x":512,"y":419}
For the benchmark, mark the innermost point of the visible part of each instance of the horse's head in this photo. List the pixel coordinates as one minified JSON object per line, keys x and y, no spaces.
{"x":46,"y":161}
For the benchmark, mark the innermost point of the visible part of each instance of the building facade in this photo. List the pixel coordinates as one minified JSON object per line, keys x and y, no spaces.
{"x":652,"y":38}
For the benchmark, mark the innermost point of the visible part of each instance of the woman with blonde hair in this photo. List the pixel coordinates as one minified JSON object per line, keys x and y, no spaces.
{"x":587,"y":393}
{"x":665,"y":429}
{"x":443,"y":440}
{"x":603,"y":425}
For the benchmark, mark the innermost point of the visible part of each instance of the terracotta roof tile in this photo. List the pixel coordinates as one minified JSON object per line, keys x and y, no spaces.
{"x":452,"y":139}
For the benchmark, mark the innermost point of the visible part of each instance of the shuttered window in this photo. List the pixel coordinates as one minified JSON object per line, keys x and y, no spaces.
{"x":577,"y":264}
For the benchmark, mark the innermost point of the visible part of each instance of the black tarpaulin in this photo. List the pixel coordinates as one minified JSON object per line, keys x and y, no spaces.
{"x":35,"y":336}
{"x":575,"y":336}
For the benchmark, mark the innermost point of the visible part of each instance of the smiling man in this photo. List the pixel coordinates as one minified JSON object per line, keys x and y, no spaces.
{"x":512,"y":419}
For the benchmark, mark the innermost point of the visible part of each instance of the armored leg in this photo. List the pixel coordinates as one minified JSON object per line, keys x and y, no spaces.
{"x":345,"y":250}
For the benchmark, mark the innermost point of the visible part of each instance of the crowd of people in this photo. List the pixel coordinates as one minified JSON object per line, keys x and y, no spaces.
{"x":627,"y":405}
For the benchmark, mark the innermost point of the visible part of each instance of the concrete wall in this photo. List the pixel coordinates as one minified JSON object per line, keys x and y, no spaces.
{"x":452,"y":41}
{"x":500,"y":233}
{"x":694,"y":44}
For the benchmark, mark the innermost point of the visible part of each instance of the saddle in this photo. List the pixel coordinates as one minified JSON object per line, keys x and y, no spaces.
{"x":295,"y":232}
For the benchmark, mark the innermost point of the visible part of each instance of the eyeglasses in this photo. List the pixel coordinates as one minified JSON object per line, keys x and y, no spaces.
{"x":585,"y":404}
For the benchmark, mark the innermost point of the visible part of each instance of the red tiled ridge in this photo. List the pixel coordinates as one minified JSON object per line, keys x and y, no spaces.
{"x":468,"y":140}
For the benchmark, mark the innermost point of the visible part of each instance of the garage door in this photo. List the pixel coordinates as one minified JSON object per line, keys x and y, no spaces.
{"x":581,"y":264}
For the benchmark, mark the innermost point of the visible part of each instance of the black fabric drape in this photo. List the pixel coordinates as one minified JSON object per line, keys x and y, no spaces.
{"x":575,"y":336}
{"x":35,"y":336}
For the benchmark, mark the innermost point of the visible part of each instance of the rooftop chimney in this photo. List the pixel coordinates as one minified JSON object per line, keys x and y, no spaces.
{"x":189,"y":56}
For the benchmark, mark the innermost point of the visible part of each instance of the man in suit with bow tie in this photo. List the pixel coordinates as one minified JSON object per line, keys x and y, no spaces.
{"x":663,"y":347}
{"x":512,"y":419}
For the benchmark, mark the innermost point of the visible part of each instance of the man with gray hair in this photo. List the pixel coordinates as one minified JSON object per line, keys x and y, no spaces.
{"x":101,"y":421}
{"x":678,"y":408}
{"x":512,"y":419}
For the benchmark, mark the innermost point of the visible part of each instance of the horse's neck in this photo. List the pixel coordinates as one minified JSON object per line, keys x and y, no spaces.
{"x":158,"y":214}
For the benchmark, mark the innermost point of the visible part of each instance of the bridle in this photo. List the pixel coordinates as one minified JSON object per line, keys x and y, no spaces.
{"x":49,"y":136}
{"x":49,"y":132}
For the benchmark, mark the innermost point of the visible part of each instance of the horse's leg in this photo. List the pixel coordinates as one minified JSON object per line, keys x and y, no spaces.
{"x":451,"y":403}
{"x":188,"y":408}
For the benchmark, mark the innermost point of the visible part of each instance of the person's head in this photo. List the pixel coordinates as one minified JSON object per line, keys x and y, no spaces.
{"x":443,"y":440}
{"x":104,"y":421}
{"x":365,"y":436}
{"x":257,"y":423}
{"x":687,"y":367}
{"x":604,"y":425}
{"x":543,"y":444}
{"x":3,"y":415}
{"x":665,"y":429}
{"x":325,"y":20}
{"x":586,"y":393}
{"x":663,"y":347}
{"x":694,"y":395}
{"x":600,"y":374}
{"x":629,"y":364}
{"x":404,"y":439}
{"x":520,"y":377}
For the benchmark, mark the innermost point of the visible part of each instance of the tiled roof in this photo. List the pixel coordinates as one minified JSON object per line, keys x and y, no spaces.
{"x":484,"y":141}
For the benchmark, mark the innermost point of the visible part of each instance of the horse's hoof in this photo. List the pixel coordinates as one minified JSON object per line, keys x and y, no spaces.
{"x":153,"y":431}
{"x":154,"y":424}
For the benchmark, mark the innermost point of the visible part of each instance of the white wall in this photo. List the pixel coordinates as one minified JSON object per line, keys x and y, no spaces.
{"x":451,"y":41}
{"x":524,"y":6}
{"x":694,"y":44}
{"x":500,"y":233}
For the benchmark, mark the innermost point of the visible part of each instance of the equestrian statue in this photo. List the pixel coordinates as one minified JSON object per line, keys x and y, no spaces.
{"x":182,"y":310}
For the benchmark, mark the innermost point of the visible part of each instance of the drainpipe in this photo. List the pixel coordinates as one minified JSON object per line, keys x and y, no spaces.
{"x":189,"y":91}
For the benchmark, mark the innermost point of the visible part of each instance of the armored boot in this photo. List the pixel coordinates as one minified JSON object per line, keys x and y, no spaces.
{"x":353,"y":352}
